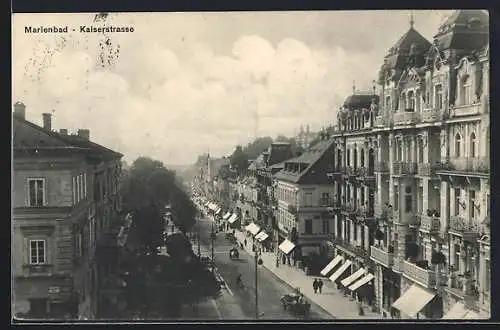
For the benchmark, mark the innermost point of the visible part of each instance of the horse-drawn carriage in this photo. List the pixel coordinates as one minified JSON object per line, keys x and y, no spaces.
{"x":234,"y":253}
{"x":296,"y":304}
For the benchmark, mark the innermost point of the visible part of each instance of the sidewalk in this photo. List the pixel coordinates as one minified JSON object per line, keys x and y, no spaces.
{"x":331,"y":300}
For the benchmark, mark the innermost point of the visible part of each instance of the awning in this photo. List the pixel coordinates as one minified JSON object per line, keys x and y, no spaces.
{"x":218,"y":211}
{"x":365,"y":279}
{"x":340,"y":271}
{"x":206,"y":204}
{"x":226,"y":216}
{"x":286,"y":246}
{"x":413,"y":300}
{"x":353,"y":277}
{"x":233,"y":218}
{"x":331,"y":265}
{"x":252,"y":228}
{"x":262,"y":236}
{"x":457,"y":312}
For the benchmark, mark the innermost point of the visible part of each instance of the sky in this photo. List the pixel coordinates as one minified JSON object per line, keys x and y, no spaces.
{"x":183,"y":84}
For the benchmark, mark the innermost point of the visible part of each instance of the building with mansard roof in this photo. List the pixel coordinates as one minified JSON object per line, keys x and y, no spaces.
{"x":412,"y":178}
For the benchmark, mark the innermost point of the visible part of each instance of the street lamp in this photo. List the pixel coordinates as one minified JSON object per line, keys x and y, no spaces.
{"x":258,"y":262}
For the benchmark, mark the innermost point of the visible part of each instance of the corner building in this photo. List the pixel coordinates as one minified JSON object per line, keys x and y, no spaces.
{"x":433,"y":194}
{"x":412,"y":176}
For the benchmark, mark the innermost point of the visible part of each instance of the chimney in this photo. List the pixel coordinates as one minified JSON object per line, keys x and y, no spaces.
{"x":63,"y":131}
{"x":20,"y":110}
{"x":84,"y":133}
{"x":47,"y":121}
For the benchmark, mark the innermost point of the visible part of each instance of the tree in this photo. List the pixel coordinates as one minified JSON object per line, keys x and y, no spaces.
{"x":256,"y":147}
{"x":297,"y":150}
{"x":239,"y":160}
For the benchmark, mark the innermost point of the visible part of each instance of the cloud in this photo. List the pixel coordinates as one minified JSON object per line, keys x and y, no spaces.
{"x":179,"y":87}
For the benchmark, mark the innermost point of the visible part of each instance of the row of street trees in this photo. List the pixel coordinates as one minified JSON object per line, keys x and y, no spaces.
{"x":156,"y":282}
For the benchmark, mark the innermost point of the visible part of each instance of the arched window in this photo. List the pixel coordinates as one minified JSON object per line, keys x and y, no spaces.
{"x":466,"y":89}
{"x":362,"y":158}
{"x":402,"y":105}
{"x":472,"y":152}
{"x":457,"y":145}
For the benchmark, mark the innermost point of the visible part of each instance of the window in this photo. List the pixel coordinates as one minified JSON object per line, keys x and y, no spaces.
{"x":399,"y":150}
{"x":388,"y":103}
{"x":408,"y":200}
{"x":457,"y":145}
{"x":308,"y":199}
{"x":403,"y":102}
{"x":439,"y":97}
{"x":472,"y":152}
{"x":74,"y":191}
{"x":325,"y":197}
{"x":457,"y":202}
{"x":36,"y":192}
{"x":420,"y":151}
{"x":396,"y":198}
{"x":466,"y":90}
{"x":309,"y":227}
{"x":85,"y":184}
{"x":78,"y":196}
{"x":355,"y":158}
{"x":456,"y":257}
{"x":348,"y":160}
{"x":411,"y":100}
{"x":472,"y":201}
{"x":82,"y":195}
{"x":79,"y":245}
{"x":326,"y":226}
{"x":37,"y":252}
{"x":362,"y":157}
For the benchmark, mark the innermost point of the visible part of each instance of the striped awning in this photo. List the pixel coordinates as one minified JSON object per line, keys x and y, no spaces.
{"x":226,"y":216}
{"x":252,"y":228}
{"x":362,"y":281}
{"x":262,"y":236}
{"x":328,"y":268}
{"x":353,"y":277}
{"x":286,"y":246}
{"x":218,"y":211}
{"x":233,"y":218}
{"x":340,"y":271}
{"x":413,"y":300}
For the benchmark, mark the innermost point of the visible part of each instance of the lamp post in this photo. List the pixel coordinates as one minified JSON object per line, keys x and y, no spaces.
{"x":258,"y":262}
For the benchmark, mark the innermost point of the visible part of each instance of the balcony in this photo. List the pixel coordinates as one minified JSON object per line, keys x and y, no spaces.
{"x":426,"y":169}
{"x":465,"y":110}
{"x":460,"y":226}
{"x":462,"y":286}
{"x":479,"y":165}
{"x":321,"y":205}
{"x":430,"y":115}
{"x":381,"y":167}
{"x":380,"y":121}
{"x":425,"y":277}
{"x":403,"y":168}
{"x":348,"y":209}
{"x":407,"y":117}
{"x":381,"y":256}
{"x":350,"y":248}
{"x":292,"y":209}
{"x":430,"y":224}
{"x":364,"y":215}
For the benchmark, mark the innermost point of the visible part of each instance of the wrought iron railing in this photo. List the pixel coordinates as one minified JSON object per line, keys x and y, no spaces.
{"x":461,"y":225}
{"x":476,"y":165}
{"x":406,"y":117}
{"x":415,"y":273}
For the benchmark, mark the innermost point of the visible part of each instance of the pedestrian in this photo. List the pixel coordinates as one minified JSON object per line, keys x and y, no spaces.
{"x":315,"y":285}
{"x":320,"y":285}
{"x":245,"y":241}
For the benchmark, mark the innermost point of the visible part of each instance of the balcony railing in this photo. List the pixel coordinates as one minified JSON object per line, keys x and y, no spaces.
{"x":292,"y":209}
{"x":425,"y":277}
{"x":460,"y":225}
{"x":474,"y":165}
{"x":381,"y":167}
{"x":426,"y":169}
{"x":407,"y":117}
{"x":357,"y":250}
{"x":396,"y":168}
{"x":429,"y":223}
{"x":404,"y":168}
{"x":465,"y":110}
{"x":381,"y":256}
{"x":462,"y":285}
{"x":365,"y":172}
{"x":430,"y":115}
{"x":380,"y":121}
{"x":322,"y":203}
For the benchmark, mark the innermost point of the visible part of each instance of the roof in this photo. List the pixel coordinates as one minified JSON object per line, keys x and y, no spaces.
{"x":397,"y":56}
{"x":464,"y":29}
{"x":310,"y":167}
{"x":29,"y":136}
{"x":360,"y":101}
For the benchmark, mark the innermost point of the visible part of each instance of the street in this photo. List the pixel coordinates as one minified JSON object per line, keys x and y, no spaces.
{"x":237,"y":303}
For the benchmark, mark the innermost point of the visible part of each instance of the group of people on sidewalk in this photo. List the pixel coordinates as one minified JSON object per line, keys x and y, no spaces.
{"x":317,"y":285}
